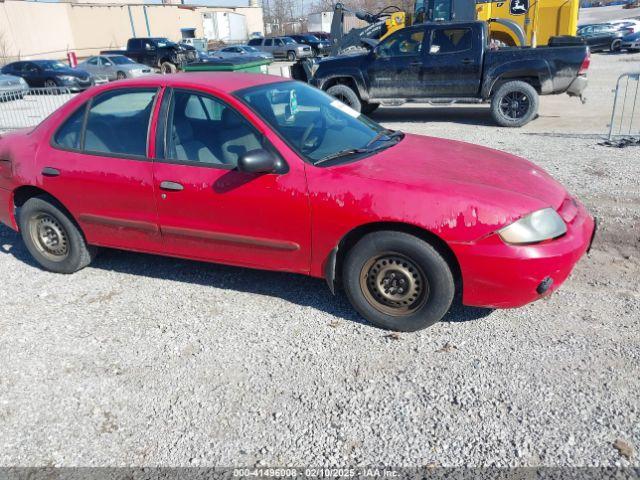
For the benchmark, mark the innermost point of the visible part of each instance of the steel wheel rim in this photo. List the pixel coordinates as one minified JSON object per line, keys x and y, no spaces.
{"x":515,"y":104}
{"x":120,"y":76}
{"x":50,"y":84}
{"x":49,"y":237}
{"x":393,"y":284}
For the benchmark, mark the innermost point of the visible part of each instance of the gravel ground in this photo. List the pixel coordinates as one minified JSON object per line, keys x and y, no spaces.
{"x":142,"y":360}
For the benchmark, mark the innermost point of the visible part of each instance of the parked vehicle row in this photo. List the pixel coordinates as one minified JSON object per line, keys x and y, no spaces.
{"x":157,"y":52}
{"x":611,"y":36}
{"x":50,"y":74}
{"x":246,"y":51}
{"x":264,"y":172}
{"x":114,"y":67}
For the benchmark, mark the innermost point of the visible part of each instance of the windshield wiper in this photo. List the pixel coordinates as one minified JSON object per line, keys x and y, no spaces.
{"x":342,"y":153}
{"x":390,"y":134}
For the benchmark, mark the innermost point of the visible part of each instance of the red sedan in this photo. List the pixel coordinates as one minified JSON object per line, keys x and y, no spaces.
{"x":267,"y":173}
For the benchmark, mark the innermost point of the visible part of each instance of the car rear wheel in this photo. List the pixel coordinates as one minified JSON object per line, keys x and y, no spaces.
{"x":514,"y":104}
{"x":291,"y":56}
{"x":346,"y":95}
{"x":52,"y":238}
{"x":120,"y":76}
{"x":616,"y":45}
{"x":398,"y":281}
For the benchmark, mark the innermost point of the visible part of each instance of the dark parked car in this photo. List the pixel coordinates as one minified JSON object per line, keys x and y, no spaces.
{"x":282,"y":47}
{"x":603,"y":36}
{"x":631,"y":42}
{"x":50,"y":73}
{"x":451,"y":62}
{"x":324,"y":36}
{"x":157,"y":52}
{"x":318,"y":46}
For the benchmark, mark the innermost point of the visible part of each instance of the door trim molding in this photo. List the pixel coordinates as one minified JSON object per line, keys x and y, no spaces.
{"x":146,"y":227}
{"x":231,"y":238}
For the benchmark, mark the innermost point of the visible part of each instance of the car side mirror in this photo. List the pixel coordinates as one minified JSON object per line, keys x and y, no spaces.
{"x":258,"y":161}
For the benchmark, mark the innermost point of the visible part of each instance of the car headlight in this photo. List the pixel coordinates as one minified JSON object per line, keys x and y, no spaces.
{"x":538,"y":226}
{"x":67,"y":78}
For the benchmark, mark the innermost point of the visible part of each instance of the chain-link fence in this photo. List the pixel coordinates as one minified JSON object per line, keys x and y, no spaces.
{"x":625,"y":118}
{"x":27,"y":108}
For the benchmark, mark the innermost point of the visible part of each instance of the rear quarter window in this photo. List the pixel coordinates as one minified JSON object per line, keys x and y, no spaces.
{"x":69,"y":134}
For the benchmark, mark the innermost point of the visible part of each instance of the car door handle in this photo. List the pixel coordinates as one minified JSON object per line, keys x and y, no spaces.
{"x":50,"y":172}
{"x":467,"y":61}
{"x":172,"y":186}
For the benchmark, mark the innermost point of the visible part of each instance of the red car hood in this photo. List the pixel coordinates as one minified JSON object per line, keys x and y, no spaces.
{"x":429,"y":162}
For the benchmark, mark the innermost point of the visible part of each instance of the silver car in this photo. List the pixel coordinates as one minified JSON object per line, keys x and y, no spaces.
{"x":113,"y":67}
{"x":12,"y":87}
{"x":241,"y":51}
{"x":282,"y":47}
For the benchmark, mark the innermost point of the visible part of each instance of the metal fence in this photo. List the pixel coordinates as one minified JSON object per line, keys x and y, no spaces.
{"x":625,"y":117}
{"x":20,"y":109}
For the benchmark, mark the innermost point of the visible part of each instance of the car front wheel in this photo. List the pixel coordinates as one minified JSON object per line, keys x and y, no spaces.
{"x":291,"y":56}
{"x":616,"y":45}
{"x":398,"y":281}
{"x":52,"y":238}
{"x":514,"y":104}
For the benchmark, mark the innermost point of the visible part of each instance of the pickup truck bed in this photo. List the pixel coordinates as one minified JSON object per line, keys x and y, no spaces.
{"x":451,"y":62}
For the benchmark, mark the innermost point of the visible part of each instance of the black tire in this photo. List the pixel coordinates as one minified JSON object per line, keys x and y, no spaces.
{"x":514,"y":104}
{"x":69,"y":253}
{"x":346,"y":95}
{"x":425,"y":302}
{"x":51,"y":84}
{"x":120,"y":76}
{"x":168,"y":67}
{"x":291,"y":56}
{"x":616,"y":45}
{"x":368,"y":108}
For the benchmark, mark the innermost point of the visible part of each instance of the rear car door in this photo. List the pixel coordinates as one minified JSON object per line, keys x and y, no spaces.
{"x":396,"y":69}
{"x":453,"y":62}
{"x":209,"y":210}
{"x":97,"y":165}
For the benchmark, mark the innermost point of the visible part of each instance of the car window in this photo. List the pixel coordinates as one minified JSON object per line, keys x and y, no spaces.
{"x":92,"y":61}
{"x":117,"y":122}
{"x":403,"y":43}
{"x":268,"y":42}
{"x":255,"y":41}
{"x":450,"y":40}
{"x":203,"y":130}
{"x":105,"y":61}
{"x":68,"y":135}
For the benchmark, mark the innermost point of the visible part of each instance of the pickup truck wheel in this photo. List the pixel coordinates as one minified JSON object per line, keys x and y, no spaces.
{"x":52,"y":238}
{"x":616,"y":45}
{"x":346,"y":95}
{"x":291,"y":56}
{"x":168,"y":67}
{"x":397,"y":281}
{"x":368,"y":108}
{"x":514,"y":104}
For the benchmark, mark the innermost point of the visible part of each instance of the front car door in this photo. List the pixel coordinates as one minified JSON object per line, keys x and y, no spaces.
{"x":97,"y":164}
{"x":107,"y":68}
{"x":396,"y":68}
{"x":207,"y":209}
{"x":453,"y":62}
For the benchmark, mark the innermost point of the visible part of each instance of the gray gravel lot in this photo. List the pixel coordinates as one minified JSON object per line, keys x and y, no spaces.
{"x":143,"y":360}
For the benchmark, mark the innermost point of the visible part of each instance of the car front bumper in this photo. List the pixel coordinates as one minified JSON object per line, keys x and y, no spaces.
{"x":631,"y":45}
{"x":498,"y":275}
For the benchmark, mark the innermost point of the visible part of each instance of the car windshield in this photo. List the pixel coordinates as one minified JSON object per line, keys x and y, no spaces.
{"x":121,"y":60}
{"x":311,"y":38}
{"x":164,"y":42}
{"x":251,"y":49}
{"x":288,"y":40}
{"x":53,"y":65}
{"x":317,"y":126}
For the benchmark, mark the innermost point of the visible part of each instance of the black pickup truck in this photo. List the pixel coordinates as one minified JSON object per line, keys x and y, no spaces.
{"x":157,"y":52}
{"x":448,"y":63}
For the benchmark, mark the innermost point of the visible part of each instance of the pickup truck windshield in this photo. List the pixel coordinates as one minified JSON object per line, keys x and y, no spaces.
{"x":317,"y":126}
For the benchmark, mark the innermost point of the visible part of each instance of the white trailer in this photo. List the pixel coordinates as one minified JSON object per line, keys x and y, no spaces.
{"x":224,"y":26}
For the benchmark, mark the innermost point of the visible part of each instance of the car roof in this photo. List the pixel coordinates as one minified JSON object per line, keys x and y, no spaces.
{"x":226,"y":82}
